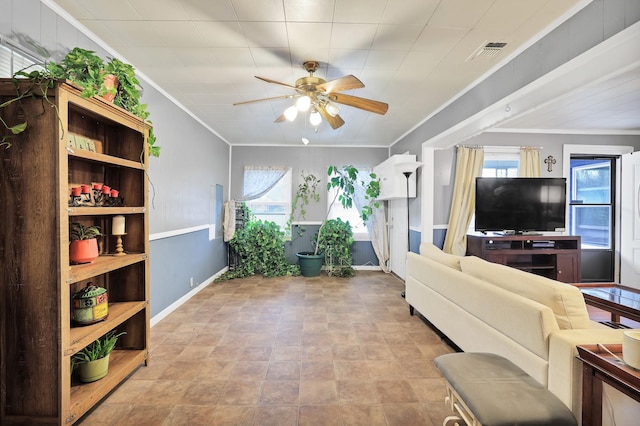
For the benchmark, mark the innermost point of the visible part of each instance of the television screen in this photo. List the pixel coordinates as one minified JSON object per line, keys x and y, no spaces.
{"x":520,"y":204}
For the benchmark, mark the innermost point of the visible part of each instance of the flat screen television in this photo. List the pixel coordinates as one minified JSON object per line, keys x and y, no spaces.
{"x":517,"y":205}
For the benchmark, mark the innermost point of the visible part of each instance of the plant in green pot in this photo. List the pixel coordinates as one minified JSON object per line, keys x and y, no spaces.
{"x":83,"y":246}
{"x":344,"y":180}
{"x":93,"y":360}
{"x":114,"y":81}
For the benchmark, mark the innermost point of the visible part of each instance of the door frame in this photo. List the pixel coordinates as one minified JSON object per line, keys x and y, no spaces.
{"x":608,"y":150}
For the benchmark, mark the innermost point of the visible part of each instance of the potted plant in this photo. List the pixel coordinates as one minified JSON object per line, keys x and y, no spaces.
{"x":336,"y":242}
{"x":93,"y":360}
{"x":84,"y":68}
{"x":344,"y":180}
{"x":88,"y":71}
{"x":83,"y":247}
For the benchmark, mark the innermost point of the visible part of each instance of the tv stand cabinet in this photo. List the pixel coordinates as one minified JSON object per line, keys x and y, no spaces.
{"x":555,"y":257}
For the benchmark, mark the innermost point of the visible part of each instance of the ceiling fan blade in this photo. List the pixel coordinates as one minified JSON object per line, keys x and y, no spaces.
{"x":268,"y":80}
{"x":265,"y":99}
{"x":362,"y":103}
{"x":334,"y":122}
{"x":347,"y":82}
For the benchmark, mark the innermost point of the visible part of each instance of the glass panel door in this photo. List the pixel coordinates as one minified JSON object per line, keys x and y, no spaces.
{"x":591,"y":213}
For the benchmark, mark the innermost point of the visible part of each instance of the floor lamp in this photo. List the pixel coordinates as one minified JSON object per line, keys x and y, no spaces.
{"x":407,"y":170}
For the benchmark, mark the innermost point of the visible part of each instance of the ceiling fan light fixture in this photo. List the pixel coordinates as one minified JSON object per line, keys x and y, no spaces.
{"x":291,"y":113}
{"x":303,"y":103}
{"x":315,"y":118}
{"x":332,"y":109}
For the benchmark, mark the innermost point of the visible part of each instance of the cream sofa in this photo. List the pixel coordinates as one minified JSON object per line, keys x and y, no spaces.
{"x":533,"y":321}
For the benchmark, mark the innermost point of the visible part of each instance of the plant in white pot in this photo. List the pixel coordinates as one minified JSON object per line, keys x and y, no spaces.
{"x":344,"y":180}
{"x":83,"y":247}
{"x":93,"y":360}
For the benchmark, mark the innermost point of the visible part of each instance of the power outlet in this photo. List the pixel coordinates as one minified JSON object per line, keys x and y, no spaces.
{"x":191,"y":282}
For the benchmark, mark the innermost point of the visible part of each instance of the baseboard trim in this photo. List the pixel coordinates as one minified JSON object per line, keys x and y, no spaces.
{"x":175,"y":305}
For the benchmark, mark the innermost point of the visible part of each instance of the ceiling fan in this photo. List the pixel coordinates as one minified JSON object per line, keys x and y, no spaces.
{"x":321,"y":96}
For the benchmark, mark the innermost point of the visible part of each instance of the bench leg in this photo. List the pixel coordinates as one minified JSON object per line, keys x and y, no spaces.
{"x":452,"y":421}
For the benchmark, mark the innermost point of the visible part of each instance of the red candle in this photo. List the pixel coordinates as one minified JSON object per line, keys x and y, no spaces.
{"x":105,"y":189}
{"x":97,"y":186}
{"x":85,"y":189}
{"x":114,"y":193}
{"x":75,"y":191}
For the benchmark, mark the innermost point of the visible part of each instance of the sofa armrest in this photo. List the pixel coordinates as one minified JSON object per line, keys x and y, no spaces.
{"x":565,"y":369}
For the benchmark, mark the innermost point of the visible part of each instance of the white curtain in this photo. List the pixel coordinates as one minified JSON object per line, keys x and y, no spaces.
{"x":376,"y":224}
{"x":530,"y":165}
{"x":258,"y":180}
{"x":469,"y":163}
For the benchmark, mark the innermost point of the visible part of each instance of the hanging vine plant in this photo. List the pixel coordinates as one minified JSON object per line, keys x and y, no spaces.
{"x":88,"y":71}
{"x":260,"y":246}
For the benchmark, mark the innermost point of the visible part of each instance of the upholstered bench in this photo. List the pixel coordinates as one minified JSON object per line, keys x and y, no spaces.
{"x":487,"y":389}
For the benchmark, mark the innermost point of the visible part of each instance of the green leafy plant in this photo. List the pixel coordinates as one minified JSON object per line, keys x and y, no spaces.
{"x":96,"y":350}
{"x":81,"y":232}
{"x":87,"y":70}
{"x":306,"y":192}
{"x":260,"y":245}
{"x":335,"y":243}
{"x":38,"y":86}
{"x":82,"y":67}
{"x":344,"y":179}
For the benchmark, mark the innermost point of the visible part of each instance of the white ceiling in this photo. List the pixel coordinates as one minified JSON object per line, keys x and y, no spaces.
{"x":412,"y":54}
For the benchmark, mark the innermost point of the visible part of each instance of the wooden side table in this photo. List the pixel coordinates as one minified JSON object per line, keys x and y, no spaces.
{"x":599,"y":367}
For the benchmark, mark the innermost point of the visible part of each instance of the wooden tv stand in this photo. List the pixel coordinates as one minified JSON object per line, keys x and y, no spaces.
{"x":555,"y":257}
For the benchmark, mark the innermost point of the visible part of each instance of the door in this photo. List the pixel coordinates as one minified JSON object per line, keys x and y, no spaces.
{"x":630,"y":218}
{"x":398,"y":236}
{"x":592,"y":213}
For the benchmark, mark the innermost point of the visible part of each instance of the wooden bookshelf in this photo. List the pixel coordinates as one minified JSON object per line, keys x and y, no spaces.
{"x":37,"y":335}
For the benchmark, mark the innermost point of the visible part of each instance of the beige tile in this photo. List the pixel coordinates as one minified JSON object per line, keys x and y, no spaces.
{"x":351,"y":370}
{"x":283,"y":370}
{"x":320,"y":415}
{"x":317,"y":370}
{"x":276,"y":416}
{"x":356,"y":392}
{"x":240,"y":393}
{"x":363,"y":415}
{"x":280,"y":392}
{"x":190,"y":415}
{"x":394,"y":392}
{"x":318,"y":392}
{"x":232,"y":415}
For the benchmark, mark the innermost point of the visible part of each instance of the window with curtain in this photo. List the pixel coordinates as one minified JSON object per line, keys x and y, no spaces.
{"x":273,"y":188}
{"x":352,"y":214}
{"x":501,"y":161}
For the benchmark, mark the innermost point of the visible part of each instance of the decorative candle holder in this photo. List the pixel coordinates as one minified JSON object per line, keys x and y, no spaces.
{"x":118,"y":229}
{"x":119,"y":247}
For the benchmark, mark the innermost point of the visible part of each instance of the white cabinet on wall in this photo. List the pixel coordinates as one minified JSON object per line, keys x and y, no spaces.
{"x":393,"y":182}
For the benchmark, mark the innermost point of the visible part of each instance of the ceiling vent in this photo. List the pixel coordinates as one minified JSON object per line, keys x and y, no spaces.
{"x":487,"y":50}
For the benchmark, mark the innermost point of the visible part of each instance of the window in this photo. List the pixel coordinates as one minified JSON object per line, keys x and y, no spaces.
{"x":501,"y":161}
{"x":275,"y":205}
{"x":351,"y":215}
{"x":591,"y":212}
{"x":12,"y":60}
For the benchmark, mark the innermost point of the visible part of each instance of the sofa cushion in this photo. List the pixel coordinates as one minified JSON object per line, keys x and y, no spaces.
{"x":433,"y":252}
{"x":565,"y":300}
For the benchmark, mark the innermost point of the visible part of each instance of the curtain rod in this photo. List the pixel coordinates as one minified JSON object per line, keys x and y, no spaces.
{"x":497,"y":147}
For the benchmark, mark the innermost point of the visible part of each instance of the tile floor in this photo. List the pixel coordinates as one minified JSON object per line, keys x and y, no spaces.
{"x":287,"y":351}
